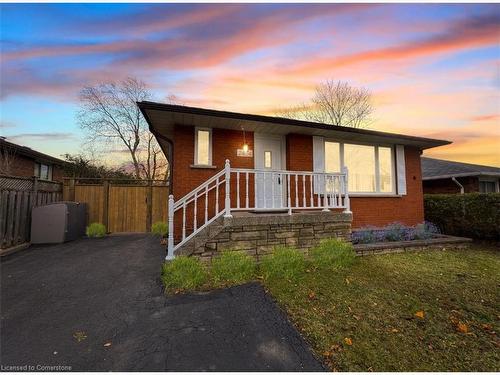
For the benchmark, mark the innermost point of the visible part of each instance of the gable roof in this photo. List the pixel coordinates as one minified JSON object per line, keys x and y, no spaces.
{"x":30,"y":153}
{"x":433,"y":169}
{"x":162,"y":117}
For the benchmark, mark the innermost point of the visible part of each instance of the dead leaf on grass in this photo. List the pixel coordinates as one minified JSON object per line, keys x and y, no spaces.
{"x":312,"y":295}
{"x":79,"y":336}
{"x":420,"y":314}
{"x":462,"y":327}
{"x":394,"y":330}
{"x":348,"y":341}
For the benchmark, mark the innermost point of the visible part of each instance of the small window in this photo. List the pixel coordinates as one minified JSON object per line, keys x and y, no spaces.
{"x":332,"y":157}
{"x":42,"y":171}
{"x":268,"y":159}
{"x":487,"y":186}
{"x":203,"y":147}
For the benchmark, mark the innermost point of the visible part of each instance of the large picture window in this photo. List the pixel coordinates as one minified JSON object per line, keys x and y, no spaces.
{"x":371,"y":167}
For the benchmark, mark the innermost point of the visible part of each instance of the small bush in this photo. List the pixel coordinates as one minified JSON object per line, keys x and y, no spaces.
{"x":284,"y":262}
{"x":332,"y":254}
{"x":424,"y":231}
{"x":396,"y":232}
{"x":96,"y":230}
{"x":232,"y":267}
{"x":160,"y":228}
{"x":367,"y":234}
{"x":183,"y":273}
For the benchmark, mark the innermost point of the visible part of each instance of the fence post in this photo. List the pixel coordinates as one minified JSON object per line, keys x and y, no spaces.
{"x":149,"y":206}
{"x":227,"y":168}
{"x":105,"y":203}
{"x":170,"y":241}
{"x":347,"y":201}
{"x":71,"y":190}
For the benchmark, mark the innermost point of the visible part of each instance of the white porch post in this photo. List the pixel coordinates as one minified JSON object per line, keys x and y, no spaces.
{"x":325,"y":193}
{"x":347,"y":201}
{"x":170,"y":241}
{"x":227,"y":209}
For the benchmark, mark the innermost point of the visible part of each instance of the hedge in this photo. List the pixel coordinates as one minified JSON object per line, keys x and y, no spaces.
{"x":470,"y":215}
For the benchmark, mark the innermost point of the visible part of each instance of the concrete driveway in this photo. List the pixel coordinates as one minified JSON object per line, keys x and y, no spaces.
{"x":97,"y":304}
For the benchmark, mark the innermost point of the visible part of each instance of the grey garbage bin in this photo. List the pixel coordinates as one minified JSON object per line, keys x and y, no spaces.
{"x":58,"y":222}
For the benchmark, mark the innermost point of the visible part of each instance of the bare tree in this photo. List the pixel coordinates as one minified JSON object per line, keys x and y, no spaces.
{"x":336,"y":103}
{"x":109,"y":114}
{"x":7,"y":160}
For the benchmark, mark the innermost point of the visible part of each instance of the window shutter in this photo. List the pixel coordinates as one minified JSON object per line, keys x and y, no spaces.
{"x":401,"y":169}
{"x":318,"y":162}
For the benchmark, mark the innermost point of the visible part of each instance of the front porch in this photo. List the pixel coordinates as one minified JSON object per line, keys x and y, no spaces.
{"x":256,"y":209}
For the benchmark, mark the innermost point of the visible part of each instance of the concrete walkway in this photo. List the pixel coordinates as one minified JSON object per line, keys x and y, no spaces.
{"x":98,"y":305}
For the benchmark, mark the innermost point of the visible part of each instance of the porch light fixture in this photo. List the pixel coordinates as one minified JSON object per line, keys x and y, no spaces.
{"x":244,"y":151}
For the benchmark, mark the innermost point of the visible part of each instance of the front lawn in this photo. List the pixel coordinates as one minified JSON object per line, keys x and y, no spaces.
{"x":422,"y":311}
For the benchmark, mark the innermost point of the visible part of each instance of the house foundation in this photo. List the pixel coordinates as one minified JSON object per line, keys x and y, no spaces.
{"x":257,"y":234}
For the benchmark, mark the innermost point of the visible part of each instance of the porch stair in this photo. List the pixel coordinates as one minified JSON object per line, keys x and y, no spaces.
{"x":198,"y":241}
{"x":223,"y":209}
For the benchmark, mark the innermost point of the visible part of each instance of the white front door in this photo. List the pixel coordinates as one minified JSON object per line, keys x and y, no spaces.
{"x":269,"y":184}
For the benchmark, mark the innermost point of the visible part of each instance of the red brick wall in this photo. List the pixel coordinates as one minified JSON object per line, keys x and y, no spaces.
{"x":377,"y":211}
{"x":185,"y":178}
{"x":447,"y":186}
{"x":25,"y":167}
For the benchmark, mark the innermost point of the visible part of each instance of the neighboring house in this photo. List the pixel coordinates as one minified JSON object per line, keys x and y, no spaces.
{"x":451,"y":177}
{"x":281,"y":165}
{"x":17,"y":160}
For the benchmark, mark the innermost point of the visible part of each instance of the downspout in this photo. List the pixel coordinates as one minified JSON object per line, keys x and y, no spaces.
{"x":458,"y":184}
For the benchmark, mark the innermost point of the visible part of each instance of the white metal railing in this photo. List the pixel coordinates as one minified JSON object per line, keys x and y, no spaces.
{"x":255,"y":189}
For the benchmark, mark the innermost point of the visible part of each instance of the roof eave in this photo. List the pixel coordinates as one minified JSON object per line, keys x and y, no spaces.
{"x":421,"y":142}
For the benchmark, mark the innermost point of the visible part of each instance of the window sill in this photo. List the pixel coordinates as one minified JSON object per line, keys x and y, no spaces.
{"x":198,"y":166}
{"x":375,"y":195}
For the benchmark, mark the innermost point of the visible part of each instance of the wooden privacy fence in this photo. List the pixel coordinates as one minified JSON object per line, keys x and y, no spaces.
{"x":18,"y":195}
{"x":121,"y":205}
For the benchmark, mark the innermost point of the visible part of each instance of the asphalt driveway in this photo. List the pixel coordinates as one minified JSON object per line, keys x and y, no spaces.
{"x":98,"y":305}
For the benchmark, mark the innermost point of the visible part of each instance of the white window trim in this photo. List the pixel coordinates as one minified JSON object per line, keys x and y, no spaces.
{"x":377,"y":193}
{"x":196,"y":129}
{"x":490,"y":179}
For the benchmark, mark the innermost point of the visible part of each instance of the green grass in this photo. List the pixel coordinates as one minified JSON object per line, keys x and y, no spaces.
{"x":96,"y":230}
{"x":372,"y":305}
{"x":160,"y":228}
{"x":183,"y":273}
{"x":232,"y":268}
{"x":332,"y":254}
{"x":283,"y":263}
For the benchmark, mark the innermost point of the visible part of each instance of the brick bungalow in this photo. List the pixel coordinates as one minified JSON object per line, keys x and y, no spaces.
{"x":451,"y":177}
{"x":268,"y":175}
{"x":22,"y":161}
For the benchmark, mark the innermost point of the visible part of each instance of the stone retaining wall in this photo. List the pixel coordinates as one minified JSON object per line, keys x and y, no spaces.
{"x":441,"y":242}
{"x":258,"y":234}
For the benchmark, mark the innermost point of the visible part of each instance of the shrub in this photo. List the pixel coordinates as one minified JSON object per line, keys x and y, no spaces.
{"x":284,"y":262}
{"x":367,"y":234}
{"x":183,"y":273}
{"x":233,"y":267}
{"x":395,"y":232}
{"x":160,"y":228}
{"x":332,"y":253}
{"x":472,"y":215}
{"x":424,"y":231}
{"x":95,"y":230}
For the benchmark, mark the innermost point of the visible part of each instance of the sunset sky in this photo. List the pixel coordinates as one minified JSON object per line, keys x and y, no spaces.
{"x":433,"y":69}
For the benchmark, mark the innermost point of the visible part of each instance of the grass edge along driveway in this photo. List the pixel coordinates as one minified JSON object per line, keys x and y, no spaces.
{"x":420,"y":311}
